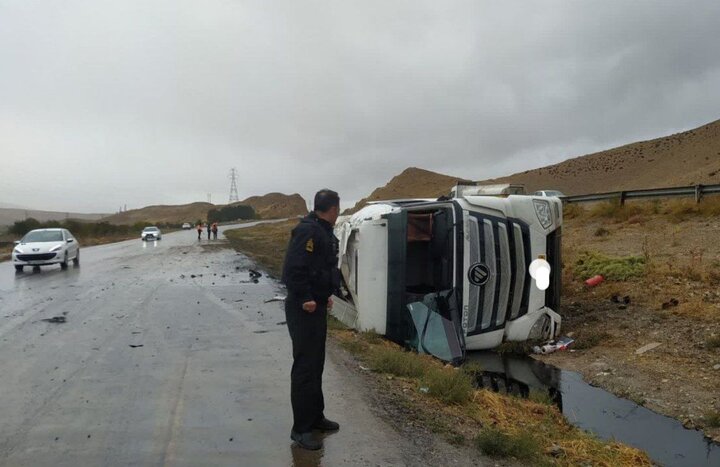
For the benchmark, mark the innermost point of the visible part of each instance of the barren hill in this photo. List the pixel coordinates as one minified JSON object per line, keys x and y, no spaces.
{"x":277,"y":205}
{"x":270,"y":206}
{"x":158,"y":214}
{"x":412,"y":183}
{"x":688,"y":158}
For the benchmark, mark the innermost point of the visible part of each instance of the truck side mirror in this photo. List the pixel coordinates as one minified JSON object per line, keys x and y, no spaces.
{"x":17,"y":242}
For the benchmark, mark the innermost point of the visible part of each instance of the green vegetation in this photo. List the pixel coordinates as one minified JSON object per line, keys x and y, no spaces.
{"x":450,"y":385}
{"x":264,"y":243}
{"x":612,"y":268}
{"x":496,"y":443}
{"x":712,"y":419}
{"x":231,"y":213}
{"x":83,"y":230}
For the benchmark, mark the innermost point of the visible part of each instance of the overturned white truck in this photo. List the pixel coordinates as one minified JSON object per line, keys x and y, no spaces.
{"x":451,"y":274}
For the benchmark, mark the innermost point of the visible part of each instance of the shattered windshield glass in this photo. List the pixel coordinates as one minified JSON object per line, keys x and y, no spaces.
{"x":436,"y":335}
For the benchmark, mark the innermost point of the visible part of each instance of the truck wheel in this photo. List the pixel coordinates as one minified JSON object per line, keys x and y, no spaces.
{"x":64,"y":264}
{"x":76,"y":261}
{"x":19,"y":267}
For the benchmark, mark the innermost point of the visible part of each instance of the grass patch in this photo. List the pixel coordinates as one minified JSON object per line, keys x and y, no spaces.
{"x":712,"y":342}
{"x":448,"y":385}
{"x":396,"y":362}
{"x":496,"y":443}
{"x":612,"y":268}
{"x":264,"y":243}
{"x":587,"y":339}
{"x":601,"y":232}
{"x":540,"y":397}
{"x":712,"y":419}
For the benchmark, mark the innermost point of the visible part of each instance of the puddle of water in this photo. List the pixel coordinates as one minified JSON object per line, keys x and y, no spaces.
{"x":595,"y":410}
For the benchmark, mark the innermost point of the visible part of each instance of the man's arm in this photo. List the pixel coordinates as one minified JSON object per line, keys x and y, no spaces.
{"x":298,"y":259}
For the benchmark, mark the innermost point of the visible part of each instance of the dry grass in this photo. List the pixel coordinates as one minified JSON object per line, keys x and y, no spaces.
{"x":264,"y":243}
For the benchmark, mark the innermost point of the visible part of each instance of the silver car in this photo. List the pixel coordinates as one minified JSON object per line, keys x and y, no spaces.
{"x":150,"y":234}
{"x":43,"y":247}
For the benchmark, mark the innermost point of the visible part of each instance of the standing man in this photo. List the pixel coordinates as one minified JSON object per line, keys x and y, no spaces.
{"x":209,"y":228}
{"x":199,"y":230}
{"x":311,"y":276}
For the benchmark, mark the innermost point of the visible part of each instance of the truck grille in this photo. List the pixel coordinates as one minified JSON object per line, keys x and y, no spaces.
{"x":503,"y":245}
{"x":37,"y":257}
{"x":554,"y":257}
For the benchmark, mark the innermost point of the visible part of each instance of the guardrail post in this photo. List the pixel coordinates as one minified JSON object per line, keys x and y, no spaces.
{"x":698,"y":193}
{"x":622,"y":198}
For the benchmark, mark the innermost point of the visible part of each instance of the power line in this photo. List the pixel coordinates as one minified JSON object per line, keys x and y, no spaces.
{"x":233,"y":186}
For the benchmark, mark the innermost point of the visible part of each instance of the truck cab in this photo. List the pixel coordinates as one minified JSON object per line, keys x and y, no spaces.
{"x":450,"y":275}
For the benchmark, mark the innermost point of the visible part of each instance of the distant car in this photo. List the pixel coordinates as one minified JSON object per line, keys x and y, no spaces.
{"x":151,"y":233}
{"x":43,"y":247}
{"x":187,"y":226}
{"x":549,"y":193}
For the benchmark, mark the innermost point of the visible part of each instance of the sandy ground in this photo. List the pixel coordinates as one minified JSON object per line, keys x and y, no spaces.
{"x":681,"y":376}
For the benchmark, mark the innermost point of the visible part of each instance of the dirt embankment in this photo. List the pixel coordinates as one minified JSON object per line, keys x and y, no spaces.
{"x":665,"y":258}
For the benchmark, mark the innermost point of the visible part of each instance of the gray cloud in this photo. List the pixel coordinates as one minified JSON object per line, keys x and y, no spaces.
{"x":146,"y":102}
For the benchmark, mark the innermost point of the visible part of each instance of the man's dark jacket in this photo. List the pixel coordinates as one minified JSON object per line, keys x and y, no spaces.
{"x":310,"y":271}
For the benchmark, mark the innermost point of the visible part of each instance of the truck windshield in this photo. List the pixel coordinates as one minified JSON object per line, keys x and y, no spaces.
{"x":436,"y":335}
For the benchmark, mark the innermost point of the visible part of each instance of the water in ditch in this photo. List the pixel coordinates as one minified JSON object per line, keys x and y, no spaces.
{"x":595,"y":410}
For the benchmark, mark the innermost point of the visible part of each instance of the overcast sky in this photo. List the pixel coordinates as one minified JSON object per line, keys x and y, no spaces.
{"x":105,"y":103}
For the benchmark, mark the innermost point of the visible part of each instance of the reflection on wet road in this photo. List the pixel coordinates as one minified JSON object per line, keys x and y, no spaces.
{"x":596,"y":410}
{"x":166,"y":355}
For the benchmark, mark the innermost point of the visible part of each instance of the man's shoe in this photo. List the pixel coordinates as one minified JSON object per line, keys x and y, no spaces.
{"x":306,"y":441}
{"x":326,"y":425}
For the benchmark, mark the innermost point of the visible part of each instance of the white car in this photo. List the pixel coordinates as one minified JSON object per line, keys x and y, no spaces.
{"x":186,"y":226}
{"x":150,"y":234}
{"x":550,"y":193}
{"x":43,"y":247}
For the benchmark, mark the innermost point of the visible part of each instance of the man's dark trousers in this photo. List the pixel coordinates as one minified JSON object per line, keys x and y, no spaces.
{"x":308,"y":332}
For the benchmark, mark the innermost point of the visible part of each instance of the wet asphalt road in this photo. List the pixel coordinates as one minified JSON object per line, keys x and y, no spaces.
{"x":206,"y":383}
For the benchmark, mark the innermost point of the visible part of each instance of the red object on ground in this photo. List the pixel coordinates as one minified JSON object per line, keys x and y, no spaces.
{"x":593,"y":281}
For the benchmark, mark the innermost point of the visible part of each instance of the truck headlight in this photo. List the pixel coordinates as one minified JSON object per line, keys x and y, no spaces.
{"x":543,"y":212}
{"x":55,"y":248}
{"x":541,"y":329}
{"x":17,"y":250}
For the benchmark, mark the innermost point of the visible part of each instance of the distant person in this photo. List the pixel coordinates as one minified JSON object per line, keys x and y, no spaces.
{"x":209,"y":229}
{"x":214,"y":230}
{"x":311,"y":276}
{"x":199,"y":230}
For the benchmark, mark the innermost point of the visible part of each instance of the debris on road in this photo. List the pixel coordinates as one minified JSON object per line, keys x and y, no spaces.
{"x":281,"y":323}
{"x":254,"y":273}
{"x":56,"y":319}
{"x":262,"y":331}
{"x":135,"y":346}
{"x":617,"y":299}
{"x":553,"y":346}
{"x":646,"y":348}
{"x":595,"y":280}
{"x":276,"y":298}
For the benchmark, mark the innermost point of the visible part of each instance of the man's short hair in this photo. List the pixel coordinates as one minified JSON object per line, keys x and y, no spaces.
{"x":326,"y":199}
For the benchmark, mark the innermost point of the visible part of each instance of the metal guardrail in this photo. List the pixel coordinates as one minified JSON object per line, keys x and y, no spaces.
{"x":697,"y":191}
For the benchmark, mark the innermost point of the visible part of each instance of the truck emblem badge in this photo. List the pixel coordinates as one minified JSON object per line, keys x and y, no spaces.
{"x":36,"y":249}
{"x":478,"y":274}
